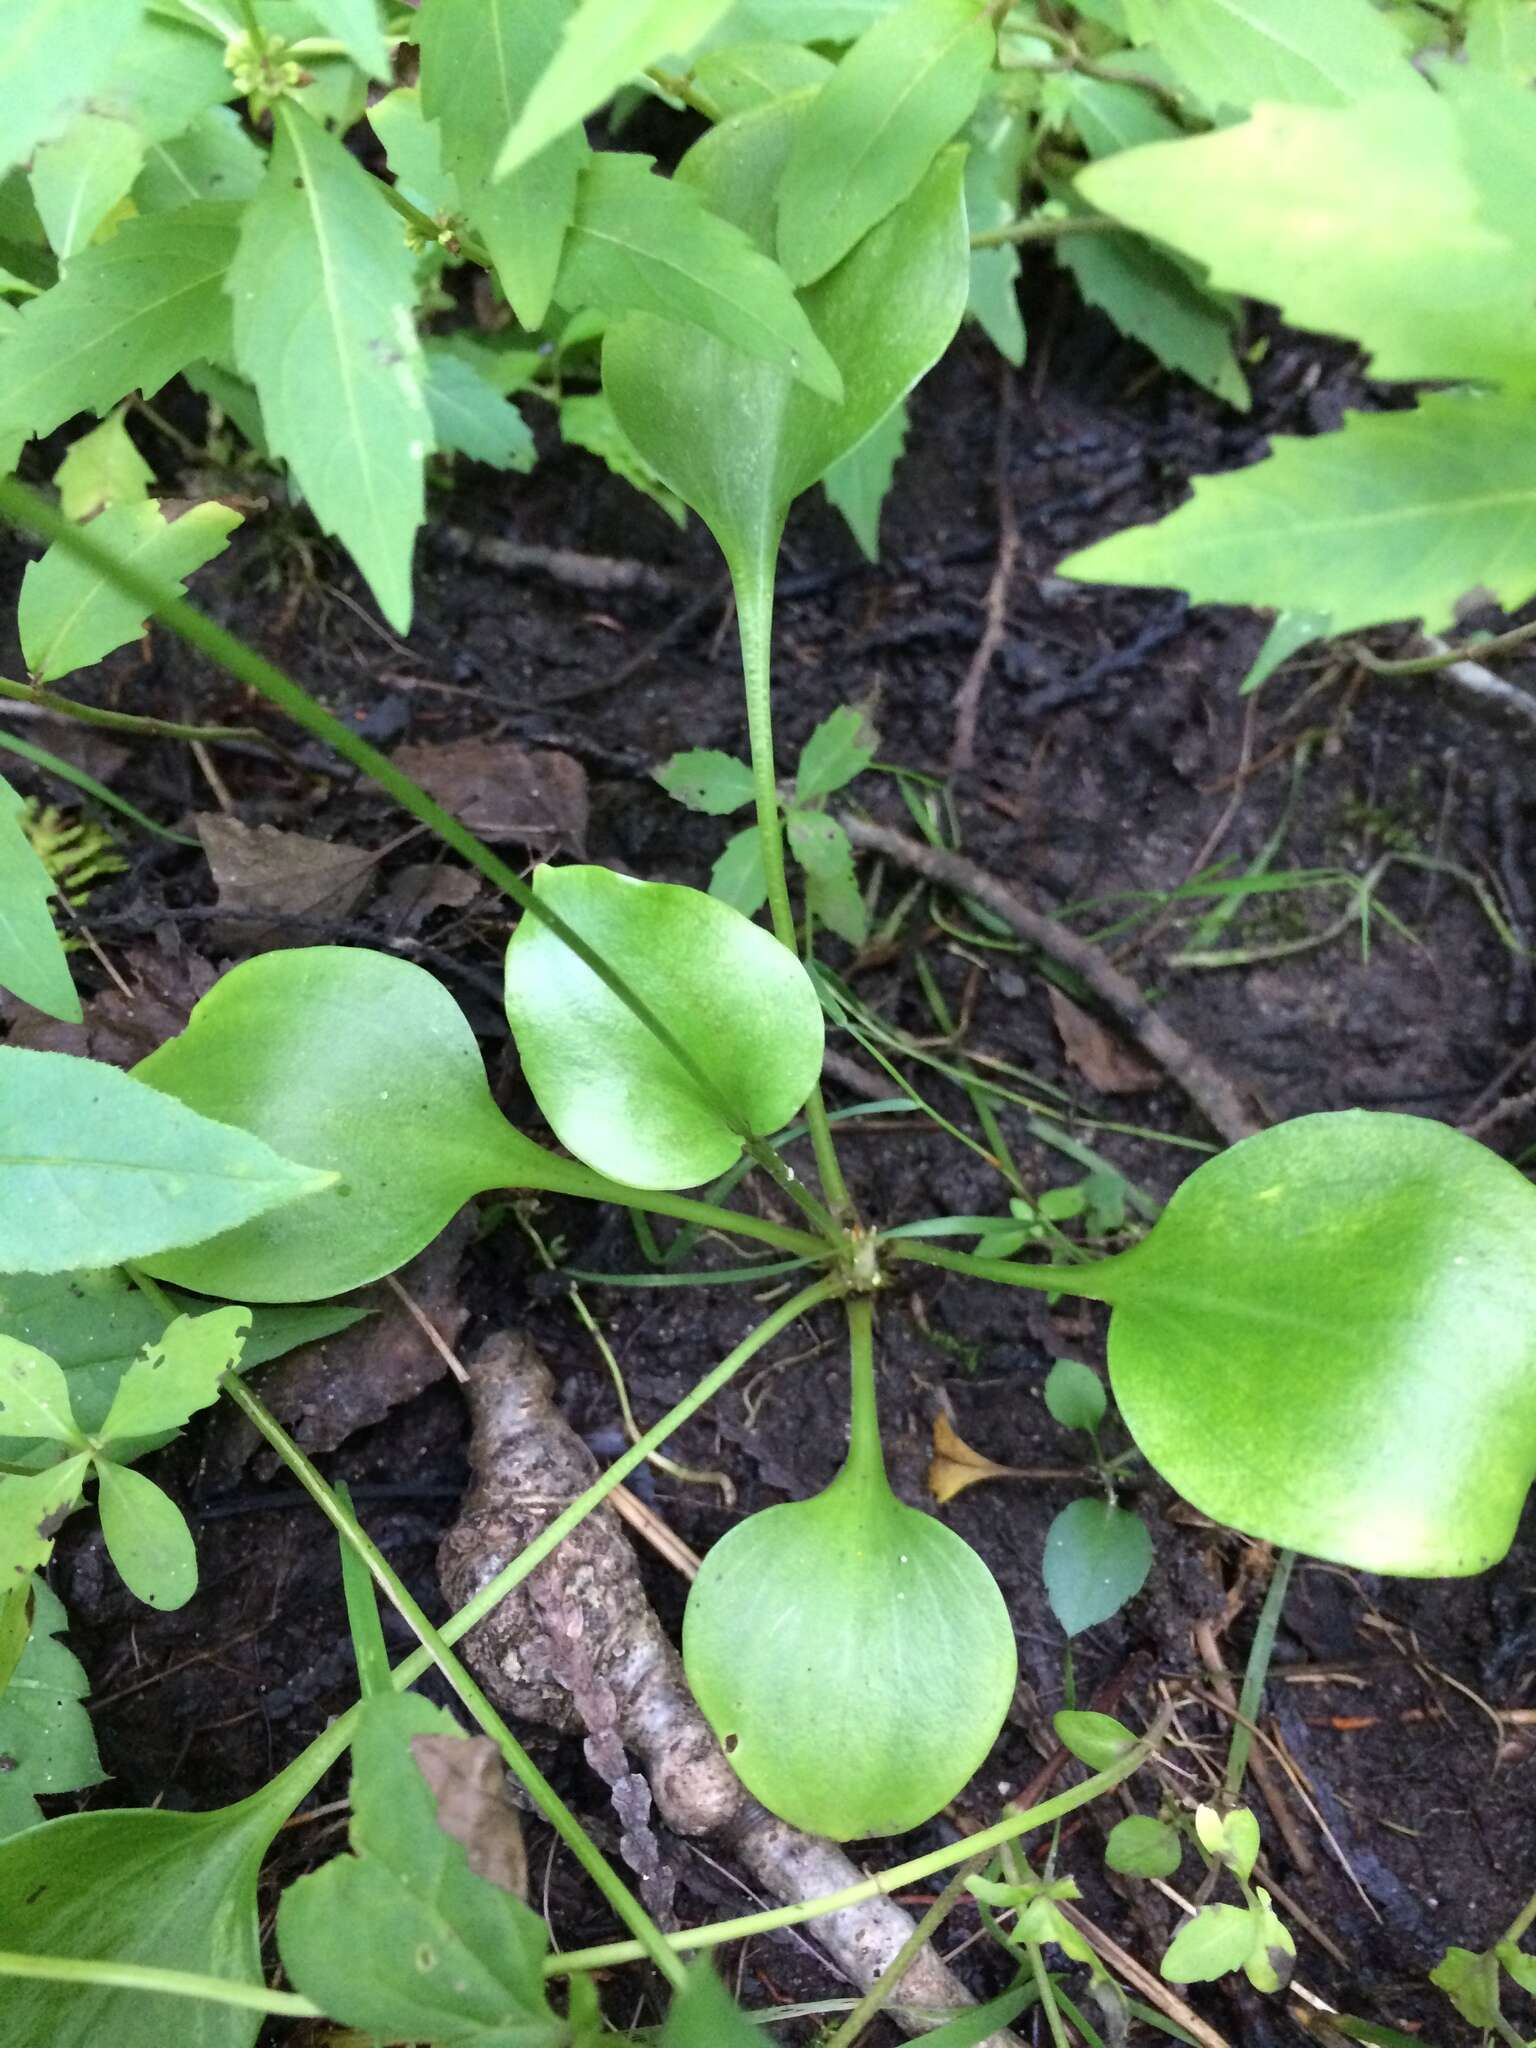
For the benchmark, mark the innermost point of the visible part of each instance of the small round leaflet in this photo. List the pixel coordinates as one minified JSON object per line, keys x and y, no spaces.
{"x":738,"y":1004}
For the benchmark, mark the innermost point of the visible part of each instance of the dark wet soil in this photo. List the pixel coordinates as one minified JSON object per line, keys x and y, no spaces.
{"x":1112,"y":744}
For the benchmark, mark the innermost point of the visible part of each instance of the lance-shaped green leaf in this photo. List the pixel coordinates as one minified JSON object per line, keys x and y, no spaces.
{"x":738,"y":440}
{"x":401,"y":1939}
{"x":1233,"y":53}
{"x":736,"y":1000}
{"x":854,"y":1656}
{"x":102,"y":468}
{"x":70,"y":614}
{"x":176,"y":1374}
{"x":903,"y":90}
{"x":81,"y":175}
{"x":479,"y":61}
{"x":324,"y":327}
{"x":176,"y":1891}
{"x":33,"y":963}
{"x":45,"y":1733}
{"x":841,"y":747}
{"x":747,"y":75}
{"x":642,"y":244}
{"x":605,"y":43}
{"x":371,"y":1065}
{"x":128,"y":316}
{"x":211,"y":158}
{"x":53,"y":55}
{"x":1396,"y":516}
{"x":97,"y":1168}
{"x":825,"y":854}
{"x":471,"y":416}
{"x":707,"y":781}
{"x":1361,"y":221}
{"x":1328,"y":1340}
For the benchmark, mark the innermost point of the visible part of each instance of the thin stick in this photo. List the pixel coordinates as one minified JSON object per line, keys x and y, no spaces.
{"x":428,"y":1329}
{"x":1259,"y":1655}
{"x":962,"y":753}
{"x":1218,"y":1098}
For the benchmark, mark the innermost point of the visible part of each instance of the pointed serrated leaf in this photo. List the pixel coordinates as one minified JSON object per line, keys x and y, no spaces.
{"x":128,"y":316}
{"x":706,"y":780}
{"x":1233,"y":53}
{"x":738,"y":876}
{"x":53,"y":55}
{"x":177,"y":1374}
{"x":33,"y":963}
{"x":1396,"y":516}
{"x":33,"y":1507}
{"x":471,"y":417}
{"x":70,"y":615}
{"x":841,"y":747}
{"x":1217,"y":1940}
{"x":479,"y":61}
{"x":643,"y":244}
{"x":324,"y":299}
{"x":211,"y":158}
{"x":46,"y":1735}
{"x":903,"y":90}
{"x":80,"y":176}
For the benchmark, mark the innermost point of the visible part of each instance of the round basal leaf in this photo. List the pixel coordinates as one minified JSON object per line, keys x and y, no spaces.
{"x":1329,"y":1341}
{"x":1097,"y":1740}
{"x":372,"y":1061}
{"x":1074,"y":1395}
{"x":735,"y":999}
{"x":737,"y":439}
{"x":854,"y":1657}
{"x":1097,"y":1557}
{"x":1141,"y":1846}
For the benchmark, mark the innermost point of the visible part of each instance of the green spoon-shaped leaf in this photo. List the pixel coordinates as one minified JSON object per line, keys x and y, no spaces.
{"x":854,"y":1657}
{"x":1329,"y":1341}
{"x":374,"y":1063}
{"x":737,"y":1002}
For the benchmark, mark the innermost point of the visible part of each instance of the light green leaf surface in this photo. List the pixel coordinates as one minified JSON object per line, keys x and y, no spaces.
{"x":70,"y":615}
{"x":479,"y":61}
{"x":903,"y":90}
{"x":643,"y":244}
{"x":821,"y":848}
{"x":45,"y":1732}
{"x":97,"y":1168}
{"x":1234,"y":53}
{"x":355,"y":23}
{"x":1501,"y":36}
{"x":738,"y":877}
{"x":746,"y":75}
{"x":146,"y":1536}
{"x":33,"y":1505}
{"x":1328,"y":1340}
{"x":324,"y":326}
{"x":167,"y":77}
{"x":34,"y":1396}
{"x":471,"y":417}
{"x":1362,"y":221}
{"x":840,"y":748}
{"x":102,"y":468}
{"x":998,"y":140}
{"x":857,"y":484}
{"x":401,"y":1939}
{"x":212,"y":158}
{"x":413,"y":146}
{"x":1396,"y":516}
{"x":80,"y":176}
{"x":177,"y":1374}
{"x":33,"y":963}
{"x":370,"y":1064}
{"x":53,"y":55}
{"x":1140,"y":1846}
{"x":704,"y":2015}
{"x":1097,"y":1740}
{"x":1217,"y":1940}
{"x":587,"y":421}
{"x":130,"y":314}
{"x":737,"y":1001}
{"x":1097,"y":1557}
{"x":705,"y":780}
{"x":605,"y":43}
{"x":1074,"y":1395}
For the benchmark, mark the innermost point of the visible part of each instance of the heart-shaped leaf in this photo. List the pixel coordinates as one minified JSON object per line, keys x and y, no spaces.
{"x":738,"y":1003}
{"x":1097,"y":1557}
{"x":854,"y":1657}
{"x":372,"y":1064}
{"x":1329,"y":1341}
{"x":739,"y":440}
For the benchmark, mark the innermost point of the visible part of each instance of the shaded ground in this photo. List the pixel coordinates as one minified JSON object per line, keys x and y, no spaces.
{"x":1111,"y":745}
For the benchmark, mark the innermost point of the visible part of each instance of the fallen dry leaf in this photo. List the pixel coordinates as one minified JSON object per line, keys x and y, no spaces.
{"x":263,"y":874}
{"x":1105,"y":1062}
{"x":414,"y":892}
{"x":504,"y":792}
{"x":956,"y":1466}
{"x":468,"y":1782}
{"x":124,"y":1029}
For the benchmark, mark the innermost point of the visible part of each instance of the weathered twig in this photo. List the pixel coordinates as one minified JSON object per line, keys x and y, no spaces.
{"x":601,"y":575}
{"x":1223,"y":1104}
{"x":962,"y":753}
{"x":528,"y":1464}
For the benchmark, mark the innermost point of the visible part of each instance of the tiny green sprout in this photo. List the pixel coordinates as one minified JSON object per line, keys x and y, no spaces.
{"x":854,"y":1656}
{"x":1222,"y":1938}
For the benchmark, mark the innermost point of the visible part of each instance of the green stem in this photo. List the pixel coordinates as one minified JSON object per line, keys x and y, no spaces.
{"x":866,"y":1460}
{"x":432,"y":230}
{"x":124,"y":721}
{"x":1050,"y":229}
{"x":551,"y":1805}
{"x":1086,"y":1281}
{"x":25,"y":509}
{"x":1259,"y":1655}
{"x":568,"y":1177}
{"x":1047,"y":1991}
{"x":168,"y":1983}
{"x":1522,"y":1920}
{"x":884,"y":1882}
{"x":1427,"y":664}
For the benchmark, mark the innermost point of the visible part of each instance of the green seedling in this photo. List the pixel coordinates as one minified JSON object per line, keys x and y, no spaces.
{"x":854,"y":1657}
{"x":45,"y":1731}
{"x":1475,"y":1980}
{"x":1222,"y":1938}
{"x":840,"y":748}
{"x":1097,"y":1553}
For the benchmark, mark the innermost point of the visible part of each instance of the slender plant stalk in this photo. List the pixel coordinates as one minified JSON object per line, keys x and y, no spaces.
{"x":432,"y":230}
{"x":524,"y":1769}
{"x":884,"y":1882}
{"x":1427,"y":664}
{"x":124,"y":721}
{"x":168,"y":1983}
{"x":1522,"y":1920}
{"x":1083,"y":1280}
{"x":865,"y":1456}
{"x":569,"y":1177}
{"x":1047,"y":1991}
{"x":30,"y":512}
{"x":1259,"y":1655}
{"x":1051,"y":229}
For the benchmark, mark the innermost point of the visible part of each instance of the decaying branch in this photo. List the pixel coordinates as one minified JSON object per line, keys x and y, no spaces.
{"x":527,"y":1464}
